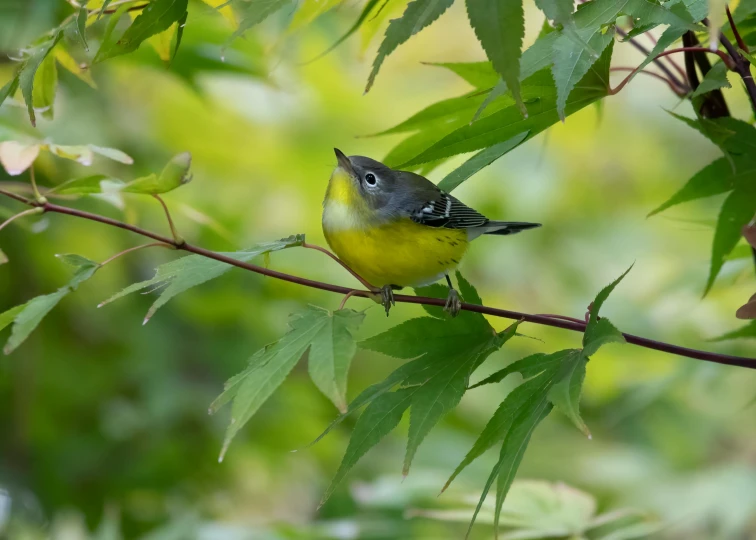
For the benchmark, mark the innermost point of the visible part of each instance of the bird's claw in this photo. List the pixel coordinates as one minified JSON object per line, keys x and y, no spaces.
{"x":387,"y":298}
{"x":453,"y":303}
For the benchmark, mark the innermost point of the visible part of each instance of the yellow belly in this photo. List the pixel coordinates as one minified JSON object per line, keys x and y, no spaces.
{"x":403,"y":253}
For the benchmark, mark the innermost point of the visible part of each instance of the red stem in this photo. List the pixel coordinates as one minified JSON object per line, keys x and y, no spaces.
{"x":739,"y":39}
{"x":496,"y":312}
{"x":671,"y":85}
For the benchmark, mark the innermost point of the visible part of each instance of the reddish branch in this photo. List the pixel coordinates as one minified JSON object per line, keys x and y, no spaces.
{"x":547,"y":320}
{"x":729,"y":62}
{"x":679,"y":91}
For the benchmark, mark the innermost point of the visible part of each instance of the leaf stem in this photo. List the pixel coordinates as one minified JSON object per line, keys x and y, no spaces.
{"x":661,"y":65}
{"x":729,"y":62}
{"x":743,"y":68}
{"x":135,"y":248}
{"x":178,"y":240}
{"x":440,"y":302}
{"x":738,"y":39}
{"x":671,"y":85}
{"x":39,"y":198}
{"x":358,"y":277}
{"x":347,"y":296}
{"x":11,"y":219}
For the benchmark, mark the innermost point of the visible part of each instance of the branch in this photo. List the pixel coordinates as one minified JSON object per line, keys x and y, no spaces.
{"x":680,"y":92}
{"x":735,"y":32}
{"x":731,"y":64}
{"x":135,"y":248}
{"x":546,"y":320}
{"x":742,"y":68}
{"x":661,"y":65}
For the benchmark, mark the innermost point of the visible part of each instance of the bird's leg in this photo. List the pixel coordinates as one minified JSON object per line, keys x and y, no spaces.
{"x":387,"y":297}
{"x":453,"y":301}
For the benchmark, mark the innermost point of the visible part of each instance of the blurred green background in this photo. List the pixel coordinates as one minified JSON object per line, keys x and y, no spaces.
{"x":104,"y":423}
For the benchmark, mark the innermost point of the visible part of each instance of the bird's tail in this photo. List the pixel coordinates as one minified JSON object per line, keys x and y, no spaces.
{"x":507,"y":227}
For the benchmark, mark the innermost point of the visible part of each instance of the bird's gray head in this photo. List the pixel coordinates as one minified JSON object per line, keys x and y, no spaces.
{"x":376,"y":182}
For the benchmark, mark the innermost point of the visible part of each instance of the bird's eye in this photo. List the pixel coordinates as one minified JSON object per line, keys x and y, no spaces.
{"x":370,"y":179}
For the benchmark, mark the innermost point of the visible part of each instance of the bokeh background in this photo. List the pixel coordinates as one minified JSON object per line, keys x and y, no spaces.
{"x":104,"y":424}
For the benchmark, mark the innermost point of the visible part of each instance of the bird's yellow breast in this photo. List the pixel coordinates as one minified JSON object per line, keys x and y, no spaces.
{"x":401,"y":252}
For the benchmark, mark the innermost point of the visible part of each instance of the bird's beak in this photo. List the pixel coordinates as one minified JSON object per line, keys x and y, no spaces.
{"x":344,"y":162}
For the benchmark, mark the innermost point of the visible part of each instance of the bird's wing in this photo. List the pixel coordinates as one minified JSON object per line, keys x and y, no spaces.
{"x":448,"y":212}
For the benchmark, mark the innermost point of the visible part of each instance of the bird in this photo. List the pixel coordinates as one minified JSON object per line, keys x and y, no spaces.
{"x":398,"y":229}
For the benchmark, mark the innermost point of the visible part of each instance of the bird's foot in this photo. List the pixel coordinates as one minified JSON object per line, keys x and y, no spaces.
{"x":387,"y":298}
{"x":453,"y":303}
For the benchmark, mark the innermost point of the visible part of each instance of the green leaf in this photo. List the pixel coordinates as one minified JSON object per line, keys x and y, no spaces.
{"x":266,"y":371}
{"x":479,"y":161}
{"x":478,"y":74}
{"x":371,"y":393}
{"x":599,"y":334}
{"x":103,"y":8}
{"x":513,"y":450}
{"x":715,"y":178}
{"x":179,"y":35}
{"x":7,"y":317}
{"x":600,"y":331}
{"x":253,"y":12}
{"x":501,"y":422}
{"x":565,"y":395}
{"x":508,"y":122}
{"x":455,"y":112}
{"x":45,"y":84}
{"x":738,"y":209}
{"x":747,"y":331}
{"x":560,"y":11}
{"x":500,"y":27}
{"x":331,"y":353}
{"x":733,"y":136}
{"x":3,"y":257}
{"x":439,"y":374}
{"x":598,"y":302}
{"x":175,"y":174}
{"x":592,"y":17}
{"x":27,"y":317}
{"x":81,"y":26}
{"x":418,"y":15}
{"x":107,"y":42}
{"x":157,"y":17}
{"x":29,"y":67}
{"x":572,"y":61}
{"x":715,"y":79}
{"x":378,"y":420}
{"x":112,"y":153}
{"x":352,"y":29}
{"x":87,"y":185}
{"x":9,"y":89}
{"x":182,"y":274}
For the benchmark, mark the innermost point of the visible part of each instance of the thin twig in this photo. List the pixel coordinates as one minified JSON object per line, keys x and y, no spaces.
{"x":176,"y":236}
{"x":136,"y":248}
{"x":358,"y":277}
{"x":561,"y":317}
{"x":16,"y":197}
{"x":729,"y":62}
{"x":680,"y":92}
{"x":37,"y":196}
{"x":19,"y":215}
{"x":738,"y":39}
{"x":743,"y":68}
{"x":496,"y":312}
{"x":661,"y":65}
{"x":347,"y":296}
